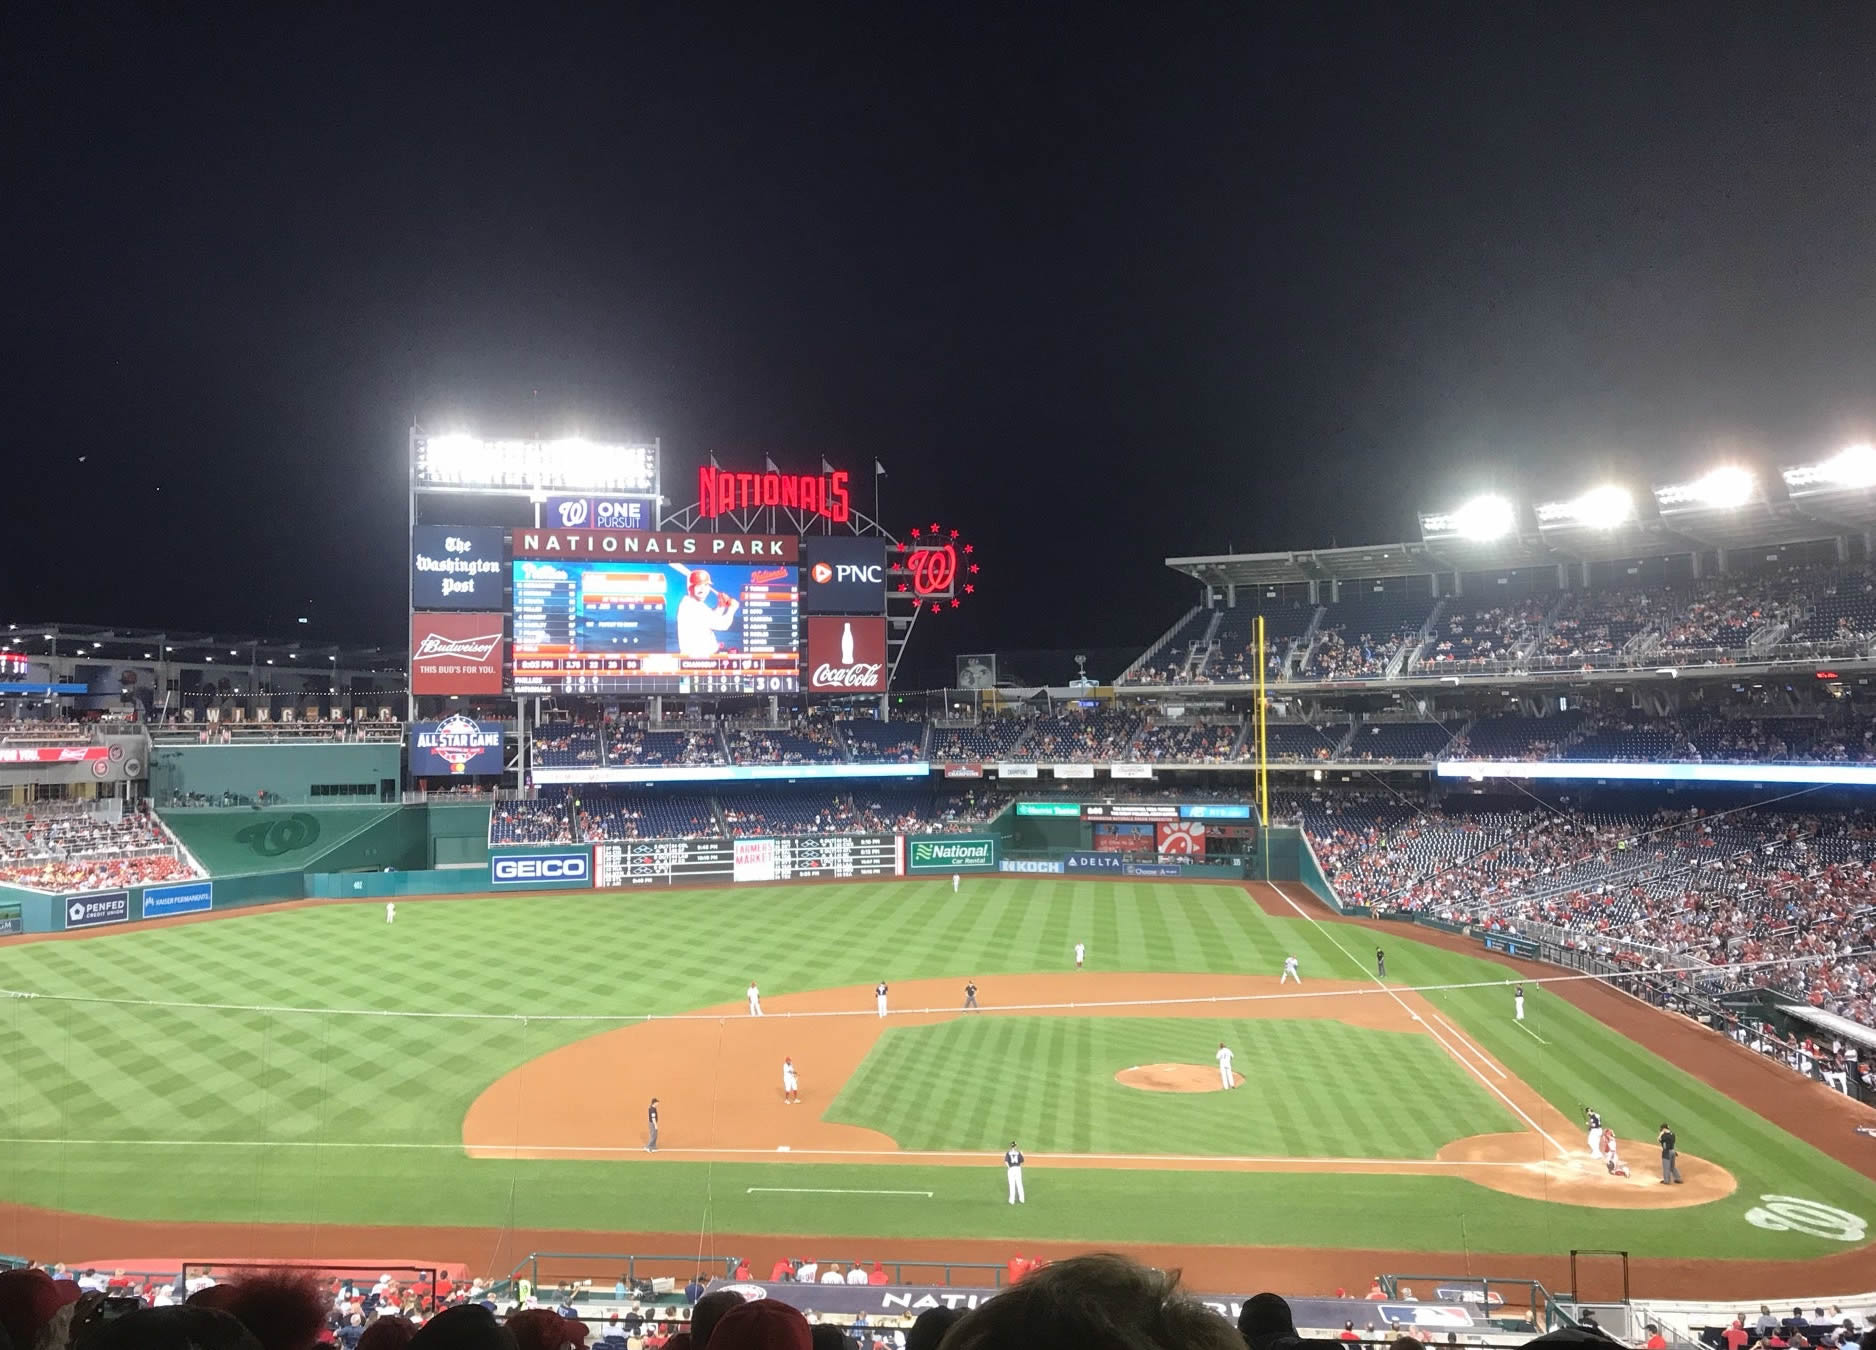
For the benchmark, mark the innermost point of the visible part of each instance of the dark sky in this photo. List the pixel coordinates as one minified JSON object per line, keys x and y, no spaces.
{"x":1096,"y":284}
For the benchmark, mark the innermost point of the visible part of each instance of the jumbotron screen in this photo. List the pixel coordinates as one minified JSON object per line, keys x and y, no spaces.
{"x":656,"y":627}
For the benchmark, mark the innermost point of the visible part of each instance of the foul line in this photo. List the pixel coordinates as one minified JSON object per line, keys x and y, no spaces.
{"x":492,"y":1151}
{"x":1482,"y":1057}
{"x":823,"y":1190}
{"x":1528,"y":1032}
{"x":1490,"y":1086}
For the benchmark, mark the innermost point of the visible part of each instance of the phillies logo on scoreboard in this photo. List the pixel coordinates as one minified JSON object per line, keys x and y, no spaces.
{"x":720,"y":491}
{"x":846,"y":656}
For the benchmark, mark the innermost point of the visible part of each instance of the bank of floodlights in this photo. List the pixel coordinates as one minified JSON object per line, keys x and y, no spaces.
{"x":1480,"y":520}
{"x":1851,"y":468}
{"x":569,"y":464}
{"x":1725,"y":488}
{"x":1607,"y":507}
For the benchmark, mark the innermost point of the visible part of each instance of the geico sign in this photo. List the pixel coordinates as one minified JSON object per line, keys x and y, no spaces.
{"x":551,"y":867}
{"x":865,"y":675}
{"x":856,"y":574}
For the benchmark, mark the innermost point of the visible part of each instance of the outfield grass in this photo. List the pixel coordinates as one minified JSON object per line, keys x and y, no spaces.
{"x":1049,"y":1081}
{"x":207,"y":1113}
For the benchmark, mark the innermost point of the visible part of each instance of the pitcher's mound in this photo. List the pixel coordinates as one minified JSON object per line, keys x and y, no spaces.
{"x":1174,"y":1078}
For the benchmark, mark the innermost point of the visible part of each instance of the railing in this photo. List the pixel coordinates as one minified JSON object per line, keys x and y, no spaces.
{"x":551,"y":1269}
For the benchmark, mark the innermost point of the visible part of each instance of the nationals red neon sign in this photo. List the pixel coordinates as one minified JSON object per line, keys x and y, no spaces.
{"x":934,"y":566}
{"x":723,"y":490}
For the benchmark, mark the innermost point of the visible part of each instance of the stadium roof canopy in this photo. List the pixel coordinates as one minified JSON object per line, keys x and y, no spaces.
{"x":138,"y":645}
{"x":1679,"y":519}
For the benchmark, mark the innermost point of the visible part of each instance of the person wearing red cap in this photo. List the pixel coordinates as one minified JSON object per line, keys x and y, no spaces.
{"x":762,"y":1324}
{"x":28,"y":1300}
{"x":544,"y":1329}
{"x":877,"y":1275}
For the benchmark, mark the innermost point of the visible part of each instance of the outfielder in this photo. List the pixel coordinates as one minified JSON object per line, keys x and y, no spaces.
{"x":879,"y":997}
{"x":1289,"y":971}
{"x":1518,"y":1002}
{"x":390,"y":911}
{"x":1013,"y":1168}
{"x":1594,"y":1121}
{"x":791,"y":1086}
{"x":1081,"y":950}
{"x":954,"y":883}
{"x":1224,"y":1064}
{"x":755,"y":1000}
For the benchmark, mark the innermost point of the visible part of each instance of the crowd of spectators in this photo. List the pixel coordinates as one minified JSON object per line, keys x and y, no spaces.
{"x":1075,"y":735}
{"x":871,"y":741}
{"x":809,"y":738}
{"x":87,"y":846}
{"x":1185,"y":742}
{"x":1495,"y":634}
{"x":539,"y":820}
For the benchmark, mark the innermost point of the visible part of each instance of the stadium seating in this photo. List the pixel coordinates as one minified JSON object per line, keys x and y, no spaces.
{"x":998,"y":738}
{"x":870,"y":741}
{"x":1184,"y":743}
{"x":1381,"y":741}
{"x":1515,"y":737}
{"x":1470,"y":636}
{"x":1234,"y":658}
{"x":1295,"y":740}
{"x":1359,"y":635}
{"x":85,"y":846}
{"x":603,"y":814}
{"x":1165,"y":662}
{"x":1074,"y":736}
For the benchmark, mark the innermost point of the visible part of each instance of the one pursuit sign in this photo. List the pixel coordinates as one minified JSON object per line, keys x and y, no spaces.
{"x":946,"y":854}
{"x":558,"y":870}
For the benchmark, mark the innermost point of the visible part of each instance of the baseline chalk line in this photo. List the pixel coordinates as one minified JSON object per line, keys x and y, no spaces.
{"x":1528,"y":1032}
{"x":823,"y":1190}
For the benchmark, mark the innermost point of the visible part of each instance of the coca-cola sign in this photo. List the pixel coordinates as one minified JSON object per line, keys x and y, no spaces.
{"x":456,"y":653}
{"x":845,"y":655}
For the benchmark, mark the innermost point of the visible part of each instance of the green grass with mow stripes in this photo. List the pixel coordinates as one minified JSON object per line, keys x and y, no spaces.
{"x":1049,"y":1081}
{"x":290,"y":1101}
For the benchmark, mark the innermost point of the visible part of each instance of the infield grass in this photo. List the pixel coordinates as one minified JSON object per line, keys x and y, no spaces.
{"x":243,"y":1113}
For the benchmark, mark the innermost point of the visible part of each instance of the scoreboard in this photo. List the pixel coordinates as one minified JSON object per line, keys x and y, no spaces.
{"x":661,"y":862}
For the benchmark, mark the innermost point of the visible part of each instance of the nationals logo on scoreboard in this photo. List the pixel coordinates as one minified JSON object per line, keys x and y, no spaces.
{"x":845,"y":656}
{"x":1181,"y":838}
{"x":456,"y":653}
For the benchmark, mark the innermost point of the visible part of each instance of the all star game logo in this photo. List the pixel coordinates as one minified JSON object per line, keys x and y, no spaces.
{"x":461,"y":743}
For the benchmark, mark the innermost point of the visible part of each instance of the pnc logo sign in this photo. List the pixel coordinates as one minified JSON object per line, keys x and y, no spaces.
{"x":848,"y":574}
{"x":535,"y":869}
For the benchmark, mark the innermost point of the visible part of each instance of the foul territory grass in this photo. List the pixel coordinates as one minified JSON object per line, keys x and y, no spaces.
{"x":1312,"y":1088}
{"x":288,"y":1109}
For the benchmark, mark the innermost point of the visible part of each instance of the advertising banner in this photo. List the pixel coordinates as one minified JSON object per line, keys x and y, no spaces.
{"x":654,"y":546}
{"x":12,"y":920}
{"x":52,"y":754}
{"x":951,"y":853}
{"x":843,"y":574}
{"x":1120,"y":838}
{"x":964,"y":771}
{"x":657,"y":862}
{"x":456,"y":653}
{"x":1131,"y":811}
{"x":1093,"y":862}
{"x":457,"y":745}
{"x":1151,"y":870}
{"x":188,"y":897}
{"x":456,"y":567}
{"x":845,"y":656}
{"x":1073,"y":770}
{"x":1185,"y":838}
{"x":1215,"y":811}
{"x":1016,"y":771}
{"x":598,"y":513}
{"x":1131,"y":770}
{"x":1041,"y":866}
{"x":1072,"y":810}
{"x":562,"y":869}
{"x":94,"y":911}
{"x":754,"y":860}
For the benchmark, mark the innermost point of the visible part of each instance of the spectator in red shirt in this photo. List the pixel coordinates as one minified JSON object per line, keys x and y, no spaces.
{"x":778,"y":1273}
{"x":1656,"y":1341}
{"x":1349,"y":1333}
{"x":877,"y":1275}
{"x":1735,"y":1336}
{"x":1376,"y":1293}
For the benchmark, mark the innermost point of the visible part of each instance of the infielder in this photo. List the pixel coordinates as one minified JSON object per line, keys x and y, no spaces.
{"x":879,"y":997}
{"x":1594,"y":1121}
{"x":791,"y":1086}
{"x":954,"y":882}
{"x":1289,"y":971}
{"x":651,"y":1118}
{"x":390,"y":911}
{"x":1081,"y":950}
{"x":1380,"y":964}
{"x":1517,"y":1000}
{"x":1224,"y":1064}
{"x":1013,"y":1168}
{"x":755,"y":1000}
{"x":970,"y":996}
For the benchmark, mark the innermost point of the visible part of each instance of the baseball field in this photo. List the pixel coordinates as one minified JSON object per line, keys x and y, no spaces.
{"x":310,"y":1078}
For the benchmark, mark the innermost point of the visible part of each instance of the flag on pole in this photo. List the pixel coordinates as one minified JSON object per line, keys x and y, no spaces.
{"x":768,"y":462}
{"x":879,"y":469}
{"x":713,"y":460}
{"x":825,"y":466}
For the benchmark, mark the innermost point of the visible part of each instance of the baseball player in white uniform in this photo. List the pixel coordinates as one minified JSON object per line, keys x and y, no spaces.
{"x":755,"y":1000}
{"x":1289,"y":971}
{"x":1594,"y":1122}
{"x":1518,"y":1002}
{"x":1224,"y":1066}
{"x":955,"y":879}
{"x":879,"y":997}
{"x":390,"y":911}
{"x":791,"y":1086}
{"x":1013,"y":1167}
{"x":1081,"y":951}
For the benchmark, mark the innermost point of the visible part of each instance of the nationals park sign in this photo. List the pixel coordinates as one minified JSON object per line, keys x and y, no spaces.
{"x":951,"y":853}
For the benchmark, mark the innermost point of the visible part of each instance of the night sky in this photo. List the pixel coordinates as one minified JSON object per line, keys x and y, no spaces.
{"x":1097,"y":285}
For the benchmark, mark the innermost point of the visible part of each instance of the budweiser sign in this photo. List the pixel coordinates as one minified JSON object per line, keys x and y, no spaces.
{"x":456,"y":653}
{"x":846,"y":655}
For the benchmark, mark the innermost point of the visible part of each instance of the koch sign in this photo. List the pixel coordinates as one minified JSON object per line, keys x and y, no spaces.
{"x":598,"y":513}
{"x":565,"y":869}
{"x":190,"y":897}
{"x":94,"y":911}
{"x":456,"y":567}
{"x":843,"y":575}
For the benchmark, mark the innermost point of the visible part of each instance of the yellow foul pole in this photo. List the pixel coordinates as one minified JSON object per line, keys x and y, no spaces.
{"x":1263,"y":728}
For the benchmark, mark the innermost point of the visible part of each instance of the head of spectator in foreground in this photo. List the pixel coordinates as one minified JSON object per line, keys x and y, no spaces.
{"x":286,"y":1310}
{"x":183,"y":1328}
{"x":762,"y":1324}
{"x":827,"y":1336}
{"x":930,"y":1327}
{"x":545,"y":1329}
{"x":467,"y":1327}
{"x":1266,"y":1323}
{"x":387,"y":1333}
{"x":708,"y":1312}
{"x":28,"y":1300}
{"x":1098,"y":1302}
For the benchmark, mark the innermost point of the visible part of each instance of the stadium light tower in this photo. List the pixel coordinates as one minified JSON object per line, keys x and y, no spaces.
{"x":1854,"y":466}
{"x":1607,"y":507}
{"x":1724,"y":487}
{"x":1485,"y":518}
